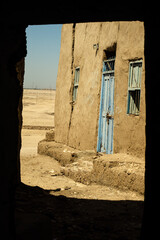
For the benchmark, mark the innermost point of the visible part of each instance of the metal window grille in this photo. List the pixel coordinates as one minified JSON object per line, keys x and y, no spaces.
{"x":134,"y":87}
{"x":108,"y":66}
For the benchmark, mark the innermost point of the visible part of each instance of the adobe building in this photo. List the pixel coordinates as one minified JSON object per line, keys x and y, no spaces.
{"x":100,"y":91}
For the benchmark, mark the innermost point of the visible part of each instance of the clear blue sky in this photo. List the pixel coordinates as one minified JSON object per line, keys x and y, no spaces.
{"x":41,"y":62}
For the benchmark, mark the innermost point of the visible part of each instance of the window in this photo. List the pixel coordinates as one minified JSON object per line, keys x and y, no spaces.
{"x":134,"y":87}
{"x":108,"y":66}
{"x":76,"y":83}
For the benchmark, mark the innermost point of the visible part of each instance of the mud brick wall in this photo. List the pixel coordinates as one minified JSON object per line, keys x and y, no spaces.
{"x":77,"y":124}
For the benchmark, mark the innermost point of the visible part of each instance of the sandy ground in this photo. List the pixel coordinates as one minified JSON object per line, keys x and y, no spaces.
{"x":76,"y":210}
{"x":38,"y":107}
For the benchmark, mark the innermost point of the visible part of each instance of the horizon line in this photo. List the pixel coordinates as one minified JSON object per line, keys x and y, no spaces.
{"x":39,"y":88}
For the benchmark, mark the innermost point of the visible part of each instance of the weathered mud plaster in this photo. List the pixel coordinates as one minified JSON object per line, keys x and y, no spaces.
{"x":77,"y":125}
{"x":64,"y":73}
{"x":72,"y":80}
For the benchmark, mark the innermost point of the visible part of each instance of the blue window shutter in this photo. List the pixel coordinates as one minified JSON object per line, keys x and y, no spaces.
{"x":76,"y":83}
{"x":134,"y":87}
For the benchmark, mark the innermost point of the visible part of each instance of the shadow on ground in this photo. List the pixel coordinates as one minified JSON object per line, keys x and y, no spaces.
{"x":40,"y":215}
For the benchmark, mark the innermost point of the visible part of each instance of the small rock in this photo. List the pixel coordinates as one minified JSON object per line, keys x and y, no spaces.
{"x":129,"y":171}
{"x":56,"y":190}
{"x":67,"y":188}
{"x":53,"y":173}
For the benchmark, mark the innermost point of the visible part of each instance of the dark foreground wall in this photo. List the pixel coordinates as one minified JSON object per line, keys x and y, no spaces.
{"x":12,"y":51}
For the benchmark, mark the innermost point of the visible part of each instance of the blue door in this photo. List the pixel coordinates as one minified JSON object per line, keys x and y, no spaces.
{"x":106,"y":117}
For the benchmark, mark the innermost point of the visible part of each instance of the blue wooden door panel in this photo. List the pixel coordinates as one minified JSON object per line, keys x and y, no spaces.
{"x":104,"y":112}
{"x":109,"y":148}
{"x":99,"y":144}
{"x":106,"y":117}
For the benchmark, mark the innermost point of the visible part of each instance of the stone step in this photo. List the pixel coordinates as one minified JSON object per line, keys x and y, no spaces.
{"x":62,"y":153}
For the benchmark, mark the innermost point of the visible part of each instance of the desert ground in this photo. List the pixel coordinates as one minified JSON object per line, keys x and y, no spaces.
{"x":76,"y":210}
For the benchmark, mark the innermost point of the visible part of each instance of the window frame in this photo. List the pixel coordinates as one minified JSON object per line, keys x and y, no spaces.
{"x":134,"y":87}
{"x":76,"y":83}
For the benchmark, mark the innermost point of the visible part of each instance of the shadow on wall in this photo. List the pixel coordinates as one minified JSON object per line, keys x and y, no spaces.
{"x":40,"y":215}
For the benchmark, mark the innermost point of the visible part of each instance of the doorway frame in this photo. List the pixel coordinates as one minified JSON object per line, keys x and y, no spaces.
{"x":109,"y":118}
